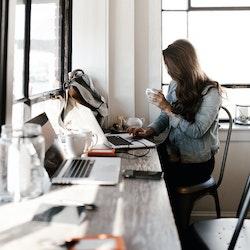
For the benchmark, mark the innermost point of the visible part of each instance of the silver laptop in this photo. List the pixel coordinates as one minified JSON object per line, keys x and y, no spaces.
{"x":87,"y":120}
{"x":87,"y":170}
{"x":117,"y":141}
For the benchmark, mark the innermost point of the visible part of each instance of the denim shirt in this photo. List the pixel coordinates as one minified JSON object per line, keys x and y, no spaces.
{"x":198,"y":141}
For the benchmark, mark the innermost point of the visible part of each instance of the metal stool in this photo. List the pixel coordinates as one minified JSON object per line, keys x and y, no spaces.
{"x":187,"y":195}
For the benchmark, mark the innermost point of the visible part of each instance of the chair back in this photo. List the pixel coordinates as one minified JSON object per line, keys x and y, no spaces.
{"x":227,"y":142}
{"x":243,"y":207}
{"x":243,"y":196}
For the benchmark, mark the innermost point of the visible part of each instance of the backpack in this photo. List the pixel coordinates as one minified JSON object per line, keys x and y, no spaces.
{"x":80,"y":87}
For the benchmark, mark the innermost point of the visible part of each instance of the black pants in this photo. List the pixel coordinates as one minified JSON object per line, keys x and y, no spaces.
{"x":187,"y":174}
{"x":184,"y":174}
{"x":179,"y":174}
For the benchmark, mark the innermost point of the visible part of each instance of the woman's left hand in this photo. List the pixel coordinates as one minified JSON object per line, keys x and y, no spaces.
{"x":160,"y":101}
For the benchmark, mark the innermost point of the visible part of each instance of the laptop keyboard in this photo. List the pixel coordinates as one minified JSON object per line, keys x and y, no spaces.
{"x":117,"y":140}
{"x":79,"y":168}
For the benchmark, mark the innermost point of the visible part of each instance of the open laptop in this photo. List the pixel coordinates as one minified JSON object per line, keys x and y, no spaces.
{"x":87,"y":170}
{"x":119,"y":141}
{"x":82,"y":117}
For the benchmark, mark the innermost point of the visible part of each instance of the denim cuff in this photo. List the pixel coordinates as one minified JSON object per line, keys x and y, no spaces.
{"x":174,"y":120}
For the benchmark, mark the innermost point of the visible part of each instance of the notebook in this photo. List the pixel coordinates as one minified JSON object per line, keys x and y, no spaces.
{"x":87,"y":170}
{"x":82,"y":117}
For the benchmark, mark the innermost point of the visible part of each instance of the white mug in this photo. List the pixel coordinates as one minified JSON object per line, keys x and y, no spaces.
{"x":76,"y":144}
{"x":149,"y":91}
{"x":134,"y":122}
{"x":91,"y":139}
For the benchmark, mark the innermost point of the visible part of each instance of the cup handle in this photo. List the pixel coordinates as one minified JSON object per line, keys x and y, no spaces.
{"x":94,"y":142}
{"x":143,"y":120}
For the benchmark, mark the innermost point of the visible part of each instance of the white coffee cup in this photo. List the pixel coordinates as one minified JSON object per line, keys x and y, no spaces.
{"x":91,"y":139}
{"x":149,"y":91}
{"x":134,"y":122}
{"x":76,"y":144}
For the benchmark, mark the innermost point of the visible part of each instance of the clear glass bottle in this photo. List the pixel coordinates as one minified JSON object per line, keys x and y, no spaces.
{"x":5,"y":141}
{"x":26,"y":162}
{"x":35,"y":144}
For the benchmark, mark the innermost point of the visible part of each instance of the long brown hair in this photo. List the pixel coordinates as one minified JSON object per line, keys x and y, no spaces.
{"x":183,"y":66}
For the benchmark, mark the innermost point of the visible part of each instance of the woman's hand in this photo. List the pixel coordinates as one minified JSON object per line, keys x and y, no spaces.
{"x":141,"y":132}
{"x":160,"y":101}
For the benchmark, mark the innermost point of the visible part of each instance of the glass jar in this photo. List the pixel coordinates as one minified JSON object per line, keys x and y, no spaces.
{"x":5,"y":141}
{"x":242,"y":114}
{"x":26,"y":162}
{"x":6,"y":132}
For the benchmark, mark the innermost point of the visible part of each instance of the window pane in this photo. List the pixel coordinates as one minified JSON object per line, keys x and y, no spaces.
{"x":45,"y":45}
{"x":233,"y":96}
{"x":19,"y":51}
{"x":174,"y":5}
{"x":17,"y":115}
{"x":174,"y":26}
{"x":222,"y":42}
{"x":220,"y":3}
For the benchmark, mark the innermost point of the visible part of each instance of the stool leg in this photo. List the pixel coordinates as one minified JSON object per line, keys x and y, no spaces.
{"x":217,"y":203}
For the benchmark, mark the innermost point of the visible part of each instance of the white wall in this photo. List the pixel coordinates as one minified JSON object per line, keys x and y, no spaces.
{"x":121,"y":58}
{"x":90,"y":41}
{"x":118,"y":43}
{"x":154,"y":51}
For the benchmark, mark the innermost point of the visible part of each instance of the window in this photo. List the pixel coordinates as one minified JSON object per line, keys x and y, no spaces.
{"x":18,"y":87}
{"x":42,"y":54}
{"x":219,"y":32}
{"x":3,"y":57}
{"x":220,"y":3}
{"x":44,"y":47}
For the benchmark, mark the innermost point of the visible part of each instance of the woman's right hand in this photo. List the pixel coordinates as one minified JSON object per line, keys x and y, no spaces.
{"x":141,"y":132}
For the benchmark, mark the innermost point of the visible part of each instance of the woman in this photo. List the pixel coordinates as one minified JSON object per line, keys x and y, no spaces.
{"x":190,"y":114}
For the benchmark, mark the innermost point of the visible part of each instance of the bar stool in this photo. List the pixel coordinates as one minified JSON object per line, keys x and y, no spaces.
{"x":224,"y":233}
{"x":187,"y":195}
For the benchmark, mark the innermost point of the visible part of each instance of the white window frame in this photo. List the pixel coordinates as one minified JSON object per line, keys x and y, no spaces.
{"x":227,"y":87}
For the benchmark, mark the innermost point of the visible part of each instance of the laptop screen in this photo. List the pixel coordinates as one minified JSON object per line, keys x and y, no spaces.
{"x":53,"y":152}
{"x":81,"y":117}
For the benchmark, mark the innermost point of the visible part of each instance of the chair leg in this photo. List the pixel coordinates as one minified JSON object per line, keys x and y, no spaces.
{"x":217,"y":203}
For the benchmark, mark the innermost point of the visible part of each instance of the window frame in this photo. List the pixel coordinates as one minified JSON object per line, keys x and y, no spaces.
{"x":4,"y":11}
{"x":65,"y":54}
{"x":190,"y":8}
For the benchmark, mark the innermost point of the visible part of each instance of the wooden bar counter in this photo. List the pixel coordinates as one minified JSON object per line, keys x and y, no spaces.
{"x":137,"y":210}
